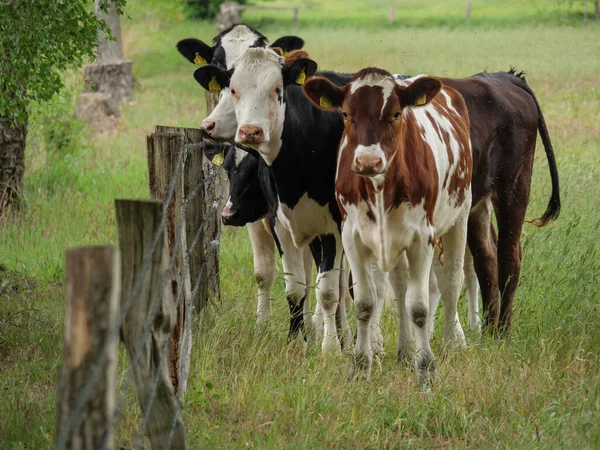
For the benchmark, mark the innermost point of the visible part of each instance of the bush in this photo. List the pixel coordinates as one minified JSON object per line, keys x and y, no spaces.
{"x":205,"y":9}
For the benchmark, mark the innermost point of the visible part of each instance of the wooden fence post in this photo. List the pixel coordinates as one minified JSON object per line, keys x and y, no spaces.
{"x":201,"y":215}
{"x":164,"y":155}
{"x":150,"y":305}
{"x":92,"y":289}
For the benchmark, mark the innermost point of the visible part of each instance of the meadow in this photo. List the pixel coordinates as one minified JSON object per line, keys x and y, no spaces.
{"x":540,"y":388}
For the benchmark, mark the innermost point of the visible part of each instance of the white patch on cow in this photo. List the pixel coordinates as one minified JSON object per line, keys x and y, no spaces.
{"x":236,"y":42}
{"x":239,"y":156}
{"x":407,"y":81}
{"x":373,"y":151}
{"x":449,"y":106}
{"x":228,"y":205}
{"x":263,"y":246}
{"x":306,"y":220}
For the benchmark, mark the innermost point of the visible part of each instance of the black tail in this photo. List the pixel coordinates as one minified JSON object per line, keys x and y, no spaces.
{"x":553,"y":209}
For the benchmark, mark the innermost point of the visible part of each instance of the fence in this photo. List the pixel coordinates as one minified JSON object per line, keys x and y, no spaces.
{"x":165,"y":268}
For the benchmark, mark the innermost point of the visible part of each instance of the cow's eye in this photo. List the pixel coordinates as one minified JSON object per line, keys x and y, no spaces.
{"x":345,"y":116}
{"x":396,"y":116}
{"x":277,"y":91}
{"x":234,"y":93}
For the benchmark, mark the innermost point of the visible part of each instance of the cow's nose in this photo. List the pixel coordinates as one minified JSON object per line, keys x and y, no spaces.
{"x":251,"y":134}
{"x":209,"y":127}
{"x":226,"y":214}
{"x":368,"y":165}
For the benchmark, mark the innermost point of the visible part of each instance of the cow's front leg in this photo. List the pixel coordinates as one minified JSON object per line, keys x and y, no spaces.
{"x":406,"y":340}
{"x":263,"y":249}
{"x":381,"y":281}
{"x":328,"y":289}
{"x":360,"y":261}
{"x":420,"y":256}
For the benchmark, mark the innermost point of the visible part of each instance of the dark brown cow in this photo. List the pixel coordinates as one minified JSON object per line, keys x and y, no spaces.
{"x":505,"y":118}
{"x":403,"y":184}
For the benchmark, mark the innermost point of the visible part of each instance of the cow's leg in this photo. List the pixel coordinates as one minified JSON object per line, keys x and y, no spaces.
{"x":308,"y":274}
{"x":483,"y":249}
{"x":263,"y":249}
{"x":381,"y":281}
{"x":328,"y":288}
{"x":450,"y":276}
{"x":434,"y":298}
{"x":510,"y":215}
{"x":359,"y":259}
{"x":406,"y":340}
{"x":472,"y":286}
{"x":420,"y":256}
{"x":294,"y":274}
{"x":341,"y":316}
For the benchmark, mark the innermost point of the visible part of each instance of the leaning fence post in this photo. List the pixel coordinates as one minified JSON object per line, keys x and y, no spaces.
{"x":150,"y":306}
{"x":87,"y":382}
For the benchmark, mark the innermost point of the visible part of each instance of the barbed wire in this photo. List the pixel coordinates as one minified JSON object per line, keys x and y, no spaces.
{"x":75,"y":416}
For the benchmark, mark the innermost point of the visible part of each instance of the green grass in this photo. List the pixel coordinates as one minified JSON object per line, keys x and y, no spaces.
{"x":538,"y":389}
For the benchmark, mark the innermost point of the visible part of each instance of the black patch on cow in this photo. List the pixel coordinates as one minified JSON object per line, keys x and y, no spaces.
{"x":288,"y":43}
{"x":296,"y":319}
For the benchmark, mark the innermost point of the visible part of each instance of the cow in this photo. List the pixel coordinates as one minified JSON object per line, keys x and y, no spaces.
{"x":403,"y":184}
{"x":227,"y":46}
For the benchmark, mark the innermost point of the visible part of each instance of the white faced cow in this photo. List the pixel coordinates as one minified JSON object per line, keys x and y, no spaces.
{"x":403,"y":185}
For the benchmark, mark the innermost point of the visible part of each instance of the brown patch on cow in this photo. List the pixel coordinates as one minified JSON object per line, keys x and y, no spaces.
{"x":295,"y":55}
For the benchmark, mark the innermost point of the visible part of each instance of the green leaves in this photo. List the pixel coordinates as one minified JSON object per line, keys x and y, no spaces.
{"x":39,"y":39}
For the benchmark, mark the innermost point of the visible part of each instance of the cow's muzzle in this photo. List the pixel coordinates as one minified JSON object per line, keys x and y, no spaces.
{"x":368,"y":166}
{"x":251,"y":134}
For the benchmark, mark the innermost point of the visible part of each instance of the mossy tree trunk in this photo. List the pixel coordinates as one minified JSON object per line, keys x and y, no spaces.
{"x":12,"y":162}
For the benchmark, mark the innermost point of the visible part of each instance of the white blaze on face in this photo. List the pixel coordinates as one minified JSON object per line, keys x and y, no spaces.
{"x":258,"y":72}
{"x":385,"y":83}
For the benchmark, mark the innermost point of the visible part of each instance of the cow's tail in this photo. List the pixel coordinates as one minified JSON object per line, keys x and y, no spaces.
{"x":553,"y":208}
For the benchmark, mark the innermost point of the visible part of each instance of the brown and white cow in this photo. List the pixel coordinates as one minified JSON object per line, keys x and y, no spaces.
{"x":403,"y":184}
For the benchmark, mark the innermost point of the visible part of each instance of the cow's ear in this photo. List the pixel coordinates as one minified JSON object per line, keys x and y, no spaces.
{"x":196,"y":51}
{"x":323,"y":93}
{"x":299,"y":71}
{"x":288,"y":43}
{"x":216,"y":153}
{"x":212,"y":78}
{"x":420,"y":92}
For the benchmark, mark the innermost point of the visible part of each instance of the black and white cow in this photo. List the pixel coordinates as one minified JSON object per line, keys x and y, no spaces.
{"x":291,"y":137}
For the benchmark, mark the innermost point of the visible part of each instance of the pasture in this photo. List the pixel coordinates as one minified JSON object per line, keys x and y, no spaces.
{"x":540,"y":388}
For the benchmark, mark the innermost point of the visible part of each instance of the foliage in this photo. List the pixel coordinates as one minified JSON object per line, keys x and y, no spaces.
{"x":205,"y":9}
{"x":39,"y":39}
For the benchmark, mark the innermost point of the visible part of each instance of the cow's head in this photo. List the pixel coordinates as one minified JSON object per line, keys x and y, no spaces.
{"x":246,"y":202}
{"x":257,"y":87}
{"x":227,"y":47}
{"x":372,"y":106}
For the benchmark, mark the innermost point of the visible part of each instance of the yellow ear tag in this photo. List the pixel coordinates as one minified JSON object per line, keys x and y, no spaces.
{"x":213,"y":85}
{"x":325,"y":102}
{"x":301,"y":78}
{"x":199,"y":60}
{"x":218,"y":159}
{"x":421,"y":100}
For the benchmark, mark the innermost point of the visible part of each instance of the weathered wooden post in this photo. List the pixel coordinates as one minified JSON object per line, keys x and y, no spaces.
{"x":469,"y":8}
{"x":203,"y":214}
{"x":150,"y":317}
{"x":92,"y":289}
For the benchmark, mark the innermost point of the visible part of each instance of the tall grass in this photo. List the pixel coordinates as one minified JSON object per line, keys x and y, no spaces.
{"x":248,"y":389}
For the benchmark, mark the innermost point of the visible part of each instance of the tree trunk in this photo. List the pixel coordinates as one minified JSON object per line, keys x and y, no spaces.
{"x":596,"y":8}
{"x":12,"y":162}
{"x":109,"y":50}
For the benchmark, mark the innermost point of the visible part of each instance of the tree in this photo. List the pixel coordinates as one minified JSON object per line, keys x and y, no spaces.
{"x":39,"y":39}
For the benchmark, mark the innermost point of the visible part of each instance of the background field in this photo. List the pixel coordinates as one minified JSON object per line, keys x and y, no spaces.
{"x":540,"y":388}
